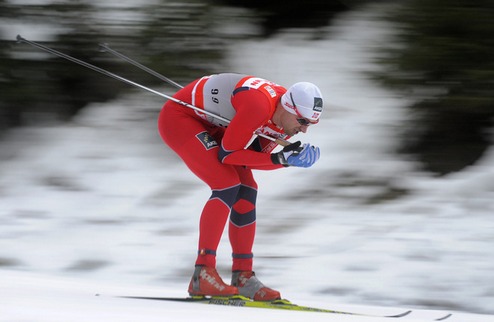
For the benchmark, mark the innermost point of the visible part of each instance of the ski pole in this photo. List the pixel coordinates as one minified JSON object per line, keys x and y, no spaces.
{"x":115,"y":76}
{"x":106,"y":48}
{"x":124,"y":80}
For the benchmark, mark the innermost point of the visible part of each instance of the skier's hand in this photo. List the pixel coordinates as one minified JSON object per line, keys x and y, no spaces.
{"x":298,"y":156}
{"x":304,"y":158}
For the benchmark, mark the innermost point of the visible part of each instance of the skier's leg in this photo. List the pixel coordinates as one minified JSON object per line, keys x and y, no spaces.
{"x":242,"y":226}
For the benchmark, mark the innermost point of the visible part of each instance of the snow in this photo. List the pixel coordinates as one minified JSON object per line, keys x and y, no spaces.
{"x":40,"y":298}
{"x":101,"y":206}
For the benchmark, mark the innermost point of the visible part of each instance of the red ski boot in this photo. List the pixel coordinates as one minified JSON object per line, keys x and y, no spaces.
{"x":249,"y":286}
{"x":206,"y":281}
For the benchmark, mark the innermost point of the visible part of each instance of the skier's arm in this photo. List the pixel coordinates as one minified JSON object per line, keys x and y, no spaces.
{"x":253,"y":111}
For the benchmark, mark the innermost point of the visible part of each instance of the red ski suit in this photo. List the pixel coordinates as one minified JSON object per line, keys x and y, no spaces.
{"x":223,"y":155}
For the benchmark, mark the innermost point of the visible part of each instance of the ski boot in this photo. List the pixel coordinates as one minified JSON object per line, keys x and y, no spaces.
{"x":249,"y":286}
{"x":207,"y":282}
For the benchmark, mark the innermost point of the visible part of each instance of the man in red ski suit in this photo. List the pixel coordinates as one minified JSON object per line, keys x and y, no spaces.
{"x":223,"y":155}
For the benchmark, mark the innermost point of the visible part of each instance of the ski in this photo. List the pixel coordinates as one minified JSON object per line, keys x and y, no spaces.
{"x":444,"y":317}
{"x":242,"y":301}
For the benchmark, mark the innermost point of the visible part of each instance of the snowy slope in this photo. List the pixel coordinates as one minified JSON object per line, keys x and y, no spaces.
{"x":100,"y":205}
{"x":33,"y":297}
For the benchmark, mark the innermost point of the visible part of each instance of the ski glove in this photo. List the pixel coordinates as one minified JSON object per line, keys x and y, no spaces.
{"x":298,"y":156}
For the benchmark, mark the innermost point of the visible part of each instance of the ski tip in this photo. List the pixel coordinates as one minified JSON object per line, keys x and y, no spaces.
{"x":444,"y":317}
{"x":400,"y":315}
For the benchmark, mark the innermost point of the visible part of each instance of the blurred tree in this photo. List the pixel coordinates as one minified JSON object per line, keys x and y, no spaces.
{"x":443,"y":57}
{"x":278,"y":14}
{"x":39,"y":87}
{"x":7,"y":117}
{"x":173,"y":37}
{"x":179,"y":38}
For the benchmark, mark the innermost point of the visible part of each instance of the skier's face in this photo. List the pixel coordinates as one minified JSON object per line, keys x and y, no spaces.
{"x":292,"y":124}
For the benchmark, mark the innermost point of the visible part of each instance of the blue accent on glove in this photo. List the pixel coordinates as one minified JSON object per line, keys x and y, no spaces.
{"x":304,"y":158}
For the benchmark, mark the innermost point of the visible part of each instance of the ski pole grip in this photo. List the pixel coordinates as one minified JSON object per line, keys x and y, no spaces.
{"x":282,"y":142}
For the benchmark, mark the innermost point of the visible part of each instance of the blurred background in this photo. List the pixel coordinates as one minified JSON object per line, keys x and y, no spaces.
{"x":409,"y":89}
{"x":441,"y":56}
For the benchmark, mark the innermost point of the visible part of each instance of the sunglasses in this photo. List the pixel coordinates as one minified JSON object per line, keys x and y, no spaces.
{"x":301,"y":120}
{"x":304,"y":122}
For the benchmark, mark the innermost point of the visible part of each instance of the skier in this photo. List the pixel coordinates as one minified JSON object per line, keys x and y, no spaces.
{"x":223,"y":156}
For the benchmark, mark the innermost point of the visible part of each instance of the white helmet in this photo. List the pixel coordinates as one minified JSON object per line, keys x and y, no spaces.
{"x":303,"y":99}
